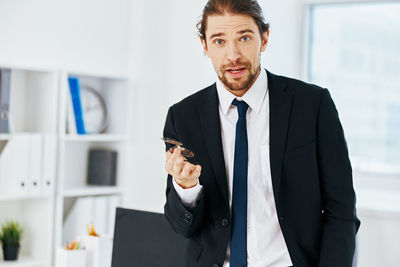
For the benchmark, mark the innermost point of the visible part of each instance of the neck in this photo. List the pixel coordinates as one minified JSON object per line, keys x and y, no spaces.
{"x":240,"y":93}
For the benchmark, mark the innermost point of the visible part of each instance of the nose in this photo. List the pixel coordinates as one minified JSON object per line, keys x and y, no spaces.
{"x":233,"y":52}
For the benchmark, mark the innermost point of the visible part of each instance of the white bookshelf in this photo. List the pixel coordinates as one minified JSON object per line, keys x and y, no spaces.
{"x":77,"y":203}
{"x":60,"y":210}
{"x":27,"y":189}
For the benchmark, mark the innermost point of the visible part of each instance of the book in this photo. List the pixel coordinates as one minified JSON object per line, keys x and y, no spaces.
{"x":5,"y":83}
{"x":77,"y":105}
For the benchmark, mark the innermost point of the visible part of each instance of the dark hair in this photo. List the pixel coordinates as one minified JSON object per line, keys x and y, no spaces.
{"x":243,"y":7}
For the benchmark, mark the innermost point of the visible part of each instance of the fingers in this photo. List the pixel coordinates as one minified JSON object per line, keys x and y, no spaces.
{"x":172,"y":158}
{"x":177,"y":166}
{"x":187,"y":170}
{"x":197,"y":171}
{"x":189,"y":176}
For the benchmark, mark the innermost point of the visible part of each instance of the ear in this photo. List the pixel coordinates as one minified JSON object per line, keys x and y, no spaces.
{"x":264,"y":41}
{"x":204,"y":44}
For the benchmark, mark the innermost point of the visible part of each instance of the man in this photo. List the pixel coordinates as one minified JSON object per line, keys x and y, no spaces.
{"x":273,"y":183}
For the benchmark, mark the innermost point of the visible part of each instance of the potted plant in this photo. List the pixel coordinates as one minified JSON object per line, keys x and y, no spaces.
{"x":10,"y":237}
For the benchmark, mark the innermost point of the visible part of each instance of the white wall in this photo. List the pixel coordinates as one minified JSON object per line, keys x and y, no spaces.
{"x":166,"y":64}
{"x":86,"y":36}
{"x":283,"y":53}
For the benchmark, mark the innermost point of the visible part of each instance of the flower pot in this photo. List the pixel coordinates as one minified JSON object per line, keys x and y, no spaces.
{"x":10,"y":252}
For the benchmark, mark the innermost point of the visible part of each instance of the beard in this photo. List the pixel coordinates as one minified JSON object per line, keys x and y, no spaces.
{"x":238,"y":85}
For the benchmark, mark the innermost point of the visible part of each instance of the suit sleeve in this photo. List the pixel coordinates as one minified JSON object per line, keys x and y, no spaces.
{"x":185,"y":220}
{"x":340,"y":222}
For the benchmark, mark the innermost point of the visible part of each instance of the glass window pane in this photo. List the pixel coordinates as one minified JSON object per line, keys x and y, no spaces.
{"x":354,"y":51}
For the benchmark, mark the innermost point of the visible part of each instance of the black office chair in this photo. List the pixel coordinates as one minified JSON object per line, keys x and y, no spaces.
{"x":145,"y":239}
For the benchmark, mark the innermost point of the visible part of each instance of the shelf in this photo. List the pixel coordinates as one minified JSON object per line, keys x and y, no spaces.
{"x":96,"y":138}
{"x":24,"y":197}
{"x":5,"y":137}
{"x":23,"y":261}
{"x":27,"y":68}
{"x":98,"y":75}
{"x":93,"y":191}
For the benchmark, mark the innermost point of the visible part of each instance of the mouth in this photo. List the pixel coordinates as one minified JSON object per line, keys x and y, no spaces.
{"x":236,"y":72}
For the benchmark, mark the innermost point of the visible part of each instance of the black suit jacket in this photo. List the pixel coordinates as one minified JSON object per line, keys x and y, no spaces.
{"x":310,"y":169}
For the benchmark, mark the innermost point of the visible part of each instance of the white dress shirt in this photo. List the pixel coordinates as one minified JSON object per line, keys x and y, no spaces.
{"x":265,"y":242}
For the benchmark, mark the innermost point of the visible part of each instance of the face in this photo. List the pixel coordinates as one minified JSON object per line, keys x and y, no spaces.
{"x":234,"y":44}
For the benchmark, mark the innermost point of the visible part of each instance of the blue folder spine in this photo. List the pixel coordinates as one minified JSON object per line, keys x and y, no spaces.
{"x":76,"y":102}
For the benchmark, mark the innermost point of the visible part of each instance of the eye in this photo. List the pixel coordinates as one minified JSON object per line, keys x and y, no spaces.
{"x":245,"y":38}
{"x":219,"y":42}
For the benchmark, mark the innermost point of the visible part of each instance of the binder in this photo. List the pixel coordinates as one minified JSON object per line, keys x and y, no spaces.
{"x":48,"y":163}
{"x":14,"y":166}
{"x":71,"y":124}
{"x":35,"y":165}
{"x":5,"y":83}
{"x":114,"y":202}
{"x":76,"y":102}
{"x":79,"y":215}
{"x":21,"y":165}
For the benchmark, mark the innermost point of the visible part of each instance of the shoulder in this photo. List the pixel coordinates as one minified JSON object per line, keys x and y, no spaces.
{"x":194,"y":100}
{"x":299,"y":87}
{"x":307,"y":94}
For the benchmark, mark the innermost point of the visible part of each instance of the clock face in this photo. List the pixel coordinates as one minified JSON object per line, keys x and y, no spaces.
{"x":94,"y":110}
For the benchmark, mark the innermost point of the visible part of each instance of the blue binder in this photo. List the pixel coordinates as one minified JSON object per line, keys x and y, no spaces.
{"x":76,"y":102}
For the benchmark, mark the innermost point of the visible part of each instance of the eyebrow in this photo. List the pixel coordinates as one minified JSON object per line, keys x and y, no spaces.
{"x":223,"y":34}
{"x":217,"y":35}
{"x":246,"y":30}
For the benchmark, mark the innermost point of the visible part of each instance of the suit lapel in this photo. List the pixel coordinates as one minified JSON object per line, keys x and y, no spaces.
{"x":210,"y":125}
{"x":280,"y":101}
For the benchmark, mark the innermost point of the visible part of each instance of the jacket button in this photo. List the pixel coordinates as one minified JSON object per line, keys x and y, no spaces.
{"x":281,"y":218}
{"x":224,"y":222}
{"x":188,"y":217}
{"x":215,"y":265}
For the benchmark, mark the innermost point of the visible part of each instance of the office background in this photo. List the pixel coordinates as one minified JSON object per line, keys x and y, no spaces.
{"x":155,"y":45}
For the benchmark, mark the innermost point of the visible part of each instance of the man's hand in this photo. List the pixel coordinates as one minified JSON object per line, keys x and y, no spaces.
{"x":184,"y":173}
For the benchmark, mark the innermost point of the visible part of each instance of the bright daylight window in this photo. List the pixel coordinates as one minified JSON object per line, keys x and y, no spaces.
{"x":354,"y":51}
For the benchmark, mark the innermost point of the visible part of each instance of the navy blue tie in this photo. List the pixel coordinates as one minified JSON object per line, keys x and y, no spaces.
{"x":238,"y":257}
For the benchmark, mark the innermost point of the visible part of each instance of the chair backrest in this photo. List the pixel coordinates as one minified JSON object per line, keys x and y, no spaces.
{"x":145,"y":239}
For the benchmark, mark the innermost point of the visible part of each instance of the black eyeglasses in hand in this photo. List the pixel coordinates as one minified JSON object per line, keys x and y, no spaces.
{"x":185,"y":152}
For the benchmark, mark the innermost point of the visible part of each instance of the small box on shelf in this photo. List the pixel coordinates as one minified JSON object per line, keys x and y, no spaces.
{"x":102,"y":167}
{"x":71,"y":258}
{"x":99,"y":250}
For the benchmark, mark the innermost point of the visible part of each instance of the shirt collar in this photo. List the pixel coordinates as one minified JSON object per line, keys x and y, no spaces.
{"x":253,"y":97}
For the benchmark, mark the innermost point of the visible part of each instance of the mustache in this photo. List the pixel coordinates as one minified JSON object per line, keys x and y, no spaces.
{"x":237,"y":64}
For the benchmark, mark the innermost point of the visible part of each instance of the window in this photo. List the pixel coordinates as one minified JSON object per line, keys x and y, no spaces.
{"x":354,"y":51}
